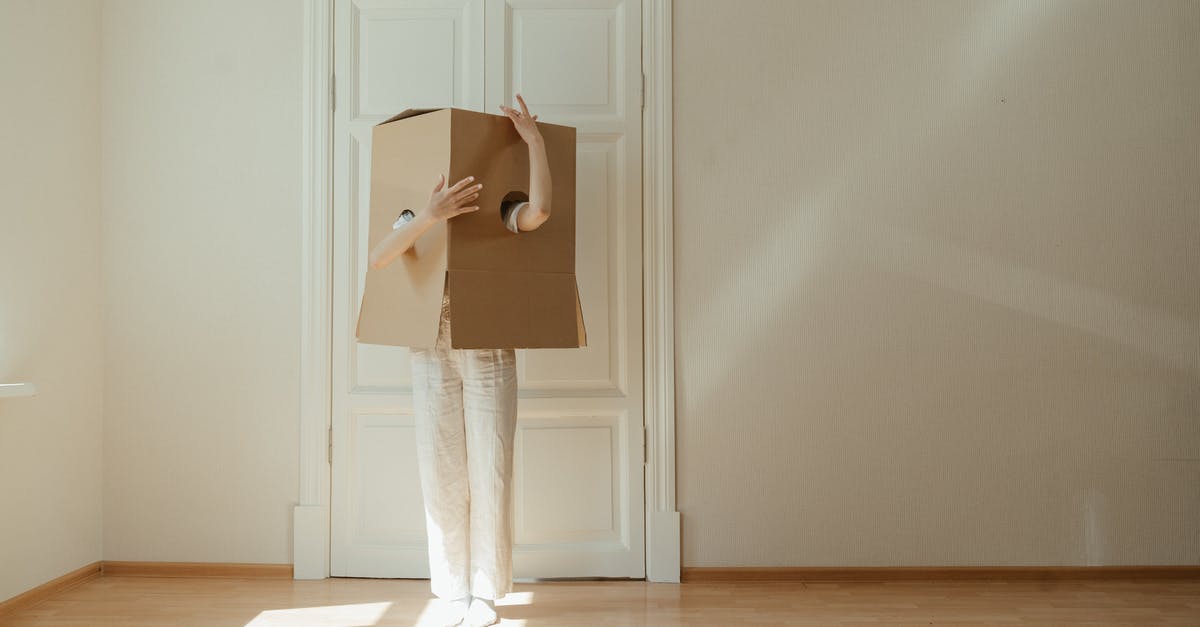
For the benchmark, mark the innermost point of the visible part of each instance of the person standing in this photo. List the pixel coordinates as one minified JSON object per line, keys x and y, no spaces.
{"x":465,"y":404}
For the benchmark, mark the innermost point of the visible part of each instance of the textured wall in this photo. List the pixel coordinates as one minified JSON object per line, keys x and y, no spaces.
{"x":938,"y":282}
{"x":51,"y":332}
{"x":201,"y":200}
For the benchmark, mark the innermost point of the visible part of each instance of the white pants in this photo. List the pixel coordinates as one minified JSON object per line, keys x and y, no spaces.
{"x":465,"y":402}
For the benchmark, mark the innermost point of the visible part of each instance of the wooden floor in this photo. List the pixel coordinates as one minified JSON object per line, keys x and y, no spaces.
{"x":341,"y":602}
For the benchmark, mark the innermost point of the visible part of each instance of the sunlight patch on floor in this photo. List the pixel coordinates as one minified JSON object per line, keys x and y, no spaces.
{"x":354,"y":615}
{"x":436,"y":612}
{"x":516,"y":598}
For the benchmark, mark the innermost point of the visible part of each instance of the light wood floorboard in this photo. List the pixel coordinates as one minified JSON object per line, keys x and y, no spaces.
{"x":203,"y":601}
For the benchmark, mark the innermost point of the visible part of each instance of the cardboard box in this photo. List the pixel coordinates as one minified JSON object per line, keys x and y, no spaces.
{"x":507,"y":290}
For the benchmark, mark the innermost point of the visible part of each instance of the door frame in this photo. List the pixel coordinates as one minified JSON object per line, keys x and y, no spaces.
{"x":311,"y":515}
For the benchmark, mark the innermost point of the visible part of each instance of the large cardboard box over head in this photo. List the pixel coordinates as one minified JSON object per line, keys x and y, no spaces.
{"x":507,"y":290}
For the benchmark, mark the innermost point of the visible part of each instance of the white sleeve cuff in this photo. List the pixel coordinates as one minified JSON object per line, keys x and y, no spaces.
{"x":511,"y":223}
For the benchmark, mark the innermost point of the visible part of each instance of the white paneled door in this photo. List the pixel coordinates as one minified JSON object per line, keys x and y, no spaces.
{"x":579,"y":449}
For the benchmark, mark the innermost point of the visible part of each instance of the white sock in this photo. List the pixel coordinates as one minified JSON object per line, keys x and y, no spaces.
{"x":481,"y":613}
{"x":456,"y":610}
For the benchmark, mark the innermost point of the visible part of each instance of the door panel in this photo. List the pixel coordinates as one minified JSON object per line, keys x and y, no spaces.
{"x":578,"y":457}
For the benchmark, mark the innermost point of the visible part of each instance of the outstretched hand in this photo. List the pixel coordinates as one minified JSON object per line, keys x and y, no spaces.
{"x":449,"y":202}
{"x":526,"y":124}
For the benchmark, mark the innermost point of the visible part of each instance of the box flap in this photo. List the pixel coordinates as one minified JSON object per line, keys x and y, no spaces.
{"x":408,"y":113}
{"x":514,"y":310}
{"x":401,"y":304}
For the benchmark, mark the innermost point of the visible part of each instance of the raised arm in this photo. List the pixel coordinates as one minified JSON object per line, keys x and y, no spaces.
{"x":443,"y":205}
{"x":538,"y":210}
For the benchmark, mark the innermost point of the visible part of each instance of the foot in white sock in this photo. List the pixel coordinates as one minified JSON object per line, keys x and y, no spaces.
{"x":481,"y":613}
{"x":455,"y":611}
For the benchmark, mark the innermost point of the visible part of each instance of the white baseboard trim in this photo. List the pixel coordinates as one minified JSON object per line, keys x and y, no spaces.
{"x":311,"y":541}
{"x":663,"y":547}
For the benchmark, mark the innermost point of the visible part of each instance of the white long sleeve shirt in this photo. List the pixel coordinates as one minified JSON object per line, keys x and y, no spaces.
{"x":508,"y":211}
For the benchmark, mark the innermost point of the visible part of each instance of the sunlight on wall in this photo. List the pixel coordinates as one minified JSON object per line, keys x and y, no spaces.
{"x":802,"y":240}
{"x":1168,"y":337}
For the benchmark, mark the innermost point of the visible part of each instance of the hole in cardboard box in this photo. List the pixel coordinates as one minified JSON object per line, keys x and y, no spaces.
{"x":509,"y":202}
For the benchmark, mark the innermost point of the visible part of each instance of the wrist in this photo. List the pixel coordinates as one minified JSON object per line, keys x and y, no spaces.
{"x":424,"y":217}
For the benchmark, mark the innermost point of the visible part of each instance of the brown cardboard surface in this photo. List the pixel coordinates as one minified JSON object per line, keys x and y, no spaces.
{"x":401,"y":303}
{"x":487,"y":147}
{"x":518,"y":309}
{"x":507,"y":290}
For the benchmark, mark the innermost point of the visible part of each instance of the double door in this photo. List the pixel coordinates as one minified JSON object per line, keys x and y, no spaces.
{"x":579,"y":452}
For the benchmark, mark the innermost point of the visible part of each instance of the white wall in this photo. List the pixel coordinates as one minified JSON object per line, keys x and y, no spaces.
{"x":937,"y":288}
{"x":201,"y":238}
{"x":938,"y":282}
{"x":50,"y":290}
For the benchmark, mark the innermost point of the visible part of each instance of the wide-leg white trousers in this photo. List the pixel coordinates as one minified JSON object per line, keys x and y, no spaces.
{"x":465,"y":402}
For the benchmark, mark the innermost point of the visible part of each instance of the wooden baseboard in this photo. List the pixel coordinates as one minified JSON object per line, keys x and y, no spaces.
{"x":935,"y":573}
{"x":50,"y":588}
{"x":196,"y":569}
{"x":688,"y":574}
{"x":32,"y":597}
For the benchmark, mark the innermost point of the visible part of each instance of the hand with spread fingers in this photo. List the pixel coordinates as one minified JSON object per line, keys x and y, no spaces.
{"x":525,"y":123}
{"x":450,"y":202}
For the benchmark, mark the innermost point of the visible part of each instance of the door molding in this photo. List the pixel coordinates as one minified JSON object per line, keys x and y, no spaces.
{"x":311,"y":522}
{"x":658,"y":295}
{"x":310,"y":517}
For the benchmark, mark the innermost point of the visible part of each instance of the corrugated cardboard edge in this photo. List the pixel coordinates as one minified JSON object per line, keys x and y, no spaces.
{"x":409,"y":113}
{"x":579,"y":318}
